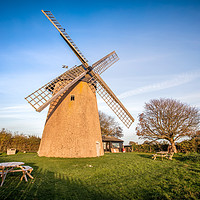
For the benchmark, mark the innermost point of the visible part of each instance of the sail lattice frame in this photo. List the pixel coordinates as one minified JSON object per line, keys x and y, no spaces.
{"x":38,"y":98}
{"x":100,"y":66}
{"x":111,"y":100}
{"x":66,"y":37}
{"x":52,"y":91}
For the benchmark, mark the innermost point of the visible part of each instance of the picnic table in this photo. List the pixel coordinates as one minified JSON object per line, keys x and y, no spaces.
{"x":7,"y":167}
{"x":163,"y":154}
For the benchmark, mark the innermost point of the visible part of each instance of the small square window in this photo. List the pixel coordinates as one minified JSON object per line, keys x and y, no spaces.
{"x":72,"y":98}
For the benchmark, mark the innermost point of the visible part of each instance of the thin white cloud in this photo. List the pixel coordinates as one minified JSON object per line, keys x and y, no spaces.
{"x":15,"y":108}
{"x":21,"y":111}
{"x":177,"y":81}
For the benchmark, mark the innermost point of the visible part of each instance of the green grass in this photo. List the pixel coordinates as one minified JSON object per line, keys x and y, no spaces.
{"x":113,"y":176}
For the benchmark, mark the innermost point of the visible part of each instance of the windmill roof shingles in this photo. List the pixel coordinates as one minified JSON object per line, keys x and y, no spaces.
{"x":110,"y":139}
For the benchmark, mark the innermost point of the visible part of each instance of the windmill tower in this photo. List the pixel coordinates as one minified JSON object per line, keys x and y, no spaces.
{"x":72,"y":127}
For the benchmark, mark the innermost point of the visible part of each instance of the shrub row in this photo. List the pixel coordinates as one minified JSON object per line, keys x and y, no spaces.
{"x":185,"y":146}
{"x":29,"y":143}
{"x":20,"y":142}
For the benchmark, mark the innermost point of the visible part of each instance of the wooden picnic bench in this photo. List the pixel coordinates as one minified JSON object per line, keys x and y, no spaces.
{"x":163,"y":154}
{"x":9,"y":167}
{"x":26,"y":170}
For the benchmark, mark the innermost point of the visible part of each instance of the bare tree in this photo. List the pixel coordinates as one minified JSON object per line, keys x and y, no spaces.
{"x":109,"y":126}
{"x":168,"y":119}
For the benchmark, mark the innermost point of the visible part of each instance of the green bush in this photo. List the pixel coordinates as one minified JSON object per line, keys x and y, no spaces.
{"x":20,"y":142}
{"x":192,"y":145}
{"x":185,"y":146}
{"x":194,"y":157}
{"x":148,"y":147}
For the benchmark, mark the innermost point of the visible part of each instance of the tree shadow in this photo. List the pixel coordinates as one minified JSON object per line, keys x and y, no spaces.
{"x":149,"y":156}
{"x":194,"y":157}
{"x":58,"y":185}
{"x":50,"y":185}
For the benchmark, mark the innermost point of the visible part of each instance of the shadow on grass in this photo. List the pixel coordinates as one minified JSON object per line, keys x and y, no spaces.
{"x":126,"y":181}
{"x":149,"y":156}
{"x":194,"y":157}
{"x":49,"y":185}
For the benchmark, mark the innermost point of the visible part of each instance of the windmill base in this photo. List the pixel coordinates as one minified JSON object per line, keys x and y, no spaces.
{"x":72,"y":128}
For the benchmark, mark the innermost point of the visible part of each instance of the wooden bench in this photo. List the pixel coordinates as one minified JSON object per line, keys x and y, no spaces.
{"x":170,"y":155}
{"x":11,"y":151}
{"x":163,"y":154}
{"x":26,"y":170}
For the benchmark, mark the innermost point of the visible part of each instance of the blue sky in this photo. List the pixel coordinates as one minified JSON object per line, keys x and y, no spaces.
{"x":158,"y":43}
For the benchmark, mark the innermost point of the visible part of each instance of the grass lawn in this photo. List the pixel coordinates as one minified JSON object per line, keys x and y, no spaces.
{"x":113,"y":176}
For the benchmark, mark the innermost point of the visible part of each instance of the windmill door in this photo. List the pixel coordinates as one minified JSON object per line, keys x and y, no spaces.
{"x":98,"y":148}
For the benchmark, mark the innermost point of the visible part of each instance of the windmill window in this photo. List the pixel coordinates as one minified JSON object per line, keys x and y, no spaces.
{"x":72,"y":98}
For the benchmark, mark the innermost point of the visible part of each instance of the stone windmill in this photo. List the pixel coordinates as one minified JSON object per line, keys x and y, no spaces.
{"x":72,"y":127}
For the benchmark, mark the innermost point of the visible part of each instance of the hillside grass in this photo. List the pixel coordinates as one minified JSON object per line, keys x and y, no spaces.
{"x":112,"y":176}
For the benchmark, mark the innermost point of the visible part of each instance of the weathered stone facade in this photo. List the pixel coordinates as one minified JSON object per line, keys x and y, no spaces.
{"x":72,"y":127}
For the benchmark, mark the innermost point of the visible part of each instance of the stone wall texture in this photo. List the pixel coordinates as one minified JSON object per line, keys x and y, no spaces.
{"x":72,"y":128}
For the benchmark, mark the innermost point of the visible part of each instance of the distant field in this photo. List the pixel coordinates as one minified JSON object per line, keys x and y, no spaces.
{"x":113,"y":176}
